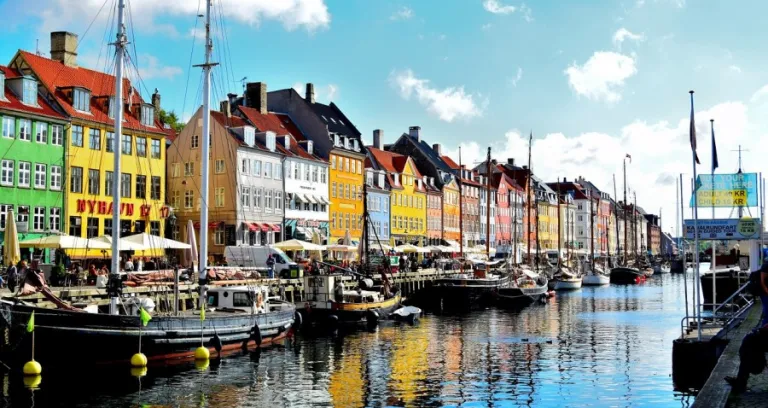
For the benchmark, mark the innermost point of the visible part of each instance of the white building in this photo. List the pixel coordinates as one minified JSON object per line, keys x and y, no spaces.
{"x":306,"y":189}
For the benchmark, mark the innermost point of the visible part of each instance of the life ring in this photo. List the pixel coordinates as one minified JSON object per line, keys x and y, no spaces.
{"x":259,"y":300}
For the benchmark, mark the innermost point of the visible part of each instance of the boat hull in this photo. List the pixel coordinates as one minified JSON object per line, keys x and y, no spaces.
{"x":727,"y":282}
{"x":334,"y":313}
{"x":595,"y":280}
{"x":568,"y":284}
{"x":520,"y":297}
{"x":677,"y":266}
{"x":463,"y":294}
{"x":71,"y":337}
{"x":623,"y":275}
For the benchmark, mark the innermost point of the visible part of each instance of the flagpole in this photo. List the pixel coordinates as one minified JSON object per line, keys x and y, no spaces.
{"x":713,"y":265}
{"x":695,"y":159}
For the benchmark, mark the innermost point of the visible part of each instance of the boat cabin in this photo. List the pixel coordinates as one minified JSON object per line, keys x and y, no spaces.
{"x":249,"y":299}
{"x":330,"y":288}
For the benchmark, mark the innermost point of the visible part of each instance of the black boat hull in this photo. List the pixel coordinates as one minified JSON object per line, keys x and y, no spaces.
{"x":519,"y":297}
{"x":677,"y":266}
{"x":625,"y":276}
{"x":72,"y":337}
{"x":727,"y":283}
{"x":465,"y":294}
{"x":350,"y":314}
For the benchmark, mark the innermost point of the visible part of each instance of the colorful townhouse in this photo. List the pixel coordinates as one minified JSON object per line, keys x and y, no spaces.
{"x":88,"y":98}
{"x":408,"y":199}
{"x":470,"y":190}
{"x":522,"y":176}
{"x":504,"y":194}
{"x":377,"y":182}
{"x":434,"y":211}
{"x":337,"y":140}
{"x":32,"y":165}
{"x":451,"y":233}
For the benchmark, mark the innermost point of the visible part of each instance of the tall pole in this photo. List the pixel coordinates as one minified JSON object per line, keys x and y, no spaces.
{"x":488,"y":206}
{"x":616,"y":212}
{"x":626,"y":231}
{"x":634,"y":228}
{"x":514,"y":232}
{"x":120,"y":43}
{"x":591,"y":233}
{"x":528,"y":188}
{"x":681,"y":228}
{"x":696,"y":230}
{"x":461,"y":210}
{"x":714,"y":241}
{"x":559,"y":227}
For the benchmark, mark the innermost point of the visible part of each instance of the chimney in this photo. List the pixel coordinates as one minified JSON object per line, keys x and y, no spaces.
{"x":64,"y":47}
{"x":310,"y":94}
{"x":511,"y":161}
{"x":437,"y":149}
{"x":231,"y":97}
{"x":256,"y":96}
{"x":413,"y":132}
{"x":565,"y":180}
{"x":225,"y":108}
{"x":156,"y":102}
{"x":494,"y":162}
{"x":525,"y":167}
{"x":378,"y":135}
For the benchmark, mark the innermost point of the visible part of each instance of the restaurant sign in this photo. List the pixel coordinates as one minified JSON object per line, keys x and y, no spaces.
{"x":100,"y":207}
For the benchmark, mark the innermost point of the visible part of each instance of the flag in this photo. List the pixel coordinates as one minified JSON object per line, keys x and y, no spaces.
{"x":144,"y":316}
{"x":202,"y":313}
{"x":693,"y":133}
{"x":629,"y":156}
{"x":31,"y":323}
{"x":715,"y":164}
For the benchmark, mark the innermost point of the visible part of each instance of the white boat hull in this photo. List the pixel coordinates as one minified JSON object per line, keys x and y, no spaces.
{"x":596,"y":280}
{"x":568,"y":284}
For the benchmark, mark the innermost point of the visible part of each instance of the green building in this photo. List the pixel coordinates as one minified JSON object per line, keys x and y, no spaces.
{"x":32,"y":154}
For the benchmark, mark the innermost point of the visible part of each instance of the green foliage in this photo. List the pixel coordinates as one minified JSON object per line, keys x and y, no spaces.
{"x":170,"y":118}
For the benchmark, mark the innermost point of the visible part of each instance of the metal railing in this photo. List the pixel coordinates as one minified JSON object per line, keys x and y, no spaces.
{"x":724,"y":315}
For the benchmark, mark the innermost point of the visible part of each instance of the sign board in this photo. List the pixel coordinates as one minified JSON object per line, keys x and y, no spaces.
{"x":724,"y":229}
{"x":726,"y":190}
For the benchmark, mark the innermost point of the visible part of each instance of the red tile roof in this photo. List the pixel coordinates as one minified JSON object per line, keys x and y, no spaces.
{"x":56,"y":76}
{"x":452,"y":164}
{"x":12,"y":102}
{"x":281,"y":125}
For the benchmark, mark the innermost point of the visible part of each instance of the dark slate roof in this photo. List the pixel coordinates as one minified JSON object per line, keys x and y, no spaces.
{"x":335,"y":119}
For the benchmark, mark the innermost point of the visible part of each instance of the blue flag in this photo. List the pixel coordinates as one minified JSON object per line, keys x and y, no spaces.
{"x":715,"y":164}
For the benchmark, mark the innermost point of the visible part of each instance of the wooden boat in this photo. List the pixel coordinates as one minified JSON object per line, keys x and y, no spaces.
{"x":528,"y":289}
{"x":568,"y":283}
{"x":465,"y":291}
{"x":596,"y":279}
{"x":627,"y":275}
{"x":326,"y":300}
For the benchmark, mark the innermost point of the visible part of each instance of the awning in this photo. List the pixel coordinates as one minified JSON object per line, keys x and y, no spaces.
{"x":301,"y":197}
{"x":264,"y":227}
{"x":251,"y":226}
{"x":304,"y":231}
{"x":311,"y":199}
{"x":275,"y":227}
{"x":322,"y":200}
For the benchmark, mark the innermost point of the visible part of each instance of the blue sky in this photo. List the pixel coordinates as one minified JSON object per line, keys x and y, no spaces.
{"x":592,"y":79}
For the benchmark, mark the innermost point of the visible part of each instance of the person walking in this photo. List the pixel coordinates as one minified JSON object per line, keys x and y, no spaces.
{"x":270,"y":266}
{"x":13,"y":277}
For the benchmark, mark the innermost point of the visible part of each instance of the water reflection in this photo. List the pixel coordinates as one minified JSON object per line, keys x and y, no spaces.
{"x":608,"y":346}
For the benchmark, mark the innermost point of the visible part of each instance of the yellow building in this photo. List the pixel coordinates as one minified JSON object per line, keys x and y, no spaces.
{"x":408,"y":209}
{"x":346,"y":175}
{"x":88,"y":98}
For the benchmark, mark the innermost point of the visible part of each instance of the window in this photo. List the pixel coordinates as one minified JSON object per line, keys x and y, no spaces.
{"x":41,"y":132}
{"x":218,"y":197}
{"x":246,"y":166}
{"x":40,"y":173}
{"x":359,"y":167}
{"x":148,"y":115}
{"x":81,"y":100}
{"x":30,"y":92}
{"x":75,"y":229}
{"x":38,"y":219}
{"x":278,"y":172}
{"x":4,"y":208}
{"x":57,"y":135}
{"x":92,"y":229}
{"x":141,"y":187}
{"x":257,"y":199}
{"x":194,"y":143}
{"x":127,"y":144}
{"x":175,"y":170}
{"x":9,"y":127}
{"x":141,"y":146}
{"x":108,"y":182}
{"x":296,"y":171}
{"x":155,"y":149}
{"x":346,"y":191}
{"x":54,"y":219}
{"x":333,"y":220}
{"x":278,"y":201}
{"x":189,"y":169}
{"x":24,"y":173}
{"x":245,"y":197}
{"x":220,"y":168}
{"x":125,"y":185}
{"x":218,"y":236}
{"x":189,"y":199}
{"x":314,"y":174}
{"x":93,"y":182}
{"x":94,"y":139}
{"x":175,"y":199}
{"x":23,"y":215}
{"x":154,"y":228}
{"x":55,"y":177}
{"x":322,"y":175}
{"x":25,"y":129}
{"x":333,"y":189}
{"x":77,"y":136}
{"x":268,"y":170}
{"x":267,"y":200}
{"x":110,"y":147}
{"x":257,"y":168}
{"x":155,"y":188}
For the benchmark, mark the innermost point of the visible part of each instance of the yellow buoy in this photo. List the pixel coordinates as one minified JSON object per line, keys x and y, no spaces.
{"x":139,"y":360}
{"x":32,"y":368}
{"x":202,"y":353}
{"x":138,"y":371}
{"x":202,"y":365}
{"x":32,"y":381}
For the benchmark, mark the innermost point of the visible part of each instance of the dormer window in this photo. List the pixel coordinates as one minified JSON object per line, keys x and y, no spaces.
{"x":112,"y":107}
{"x":249,"y":135}
{"x":396,"y":178}
{"x":81,"y":99}
{"x":369,"y":177}
{"x":29,"y":96}
{"x":287,"y":142}
{"x":381,"y":180}
{"x":310,"y":147}
{"x":2,"y":85}
{"x":147,"y":115}
{"x":354,"y":145}
{"x":270,"y":137}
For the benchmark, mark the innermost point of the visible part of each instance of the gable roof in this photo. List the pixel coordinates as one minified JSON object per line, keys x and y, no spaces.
{"x":12,"y":102}
{"x":281,"y":125}
{"x":394,"y":163}
{"x":56,"y":76}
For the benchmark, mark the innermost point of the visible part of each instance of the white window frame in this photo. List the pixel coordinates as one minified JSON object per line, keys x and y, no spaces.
{"x":38,"y":219}
{"x":25,"y":130}
{"x":56,"y":175}
{"x":245,"y":168}
{"x":40,"y":183}
{"x":54,"y":219}
{"x":220,"y":167}
{"x":245,"y":197}
{"x":25,"y":174}
{"x":7,"y":172}
{"x":41,"y":132}
{"x":57,"y":135}
{"x":194,"y":142}
{"x":81,"y":100}
{"x":9,"y":127}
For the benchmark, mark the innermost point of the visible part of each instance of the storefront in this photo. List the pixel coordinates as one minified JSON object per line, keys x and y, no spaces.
{"x":303,"y":229}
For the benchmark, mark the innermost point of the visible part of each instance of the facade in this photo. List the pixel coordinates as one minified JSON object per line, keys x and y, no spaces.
{"x":653,"y":234}
{"x":87,"y":97}
{"x":408,"y":199}
{"x":335,"y":139}
{"x":378,"y":205}
{"x":505,"y":193}
{"x":434,"y":211}
{"x":522,"y":176}
{"x":32,"y":166}
{"x":470,"y":186}
{"x":451,"y":233}
{"x":486,"y":222}
{"x":304,"y":173}
{"x":612,"y":228}
{"x":567,"y":221}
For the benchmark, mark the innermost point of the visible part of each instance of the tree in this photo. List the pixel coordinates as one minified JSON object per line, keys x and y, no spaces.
{"x":170,"y":119}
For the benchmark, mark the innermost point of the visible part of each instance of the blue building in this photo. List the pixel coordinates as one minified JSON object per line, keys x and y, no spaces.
{"x":378,"y":205}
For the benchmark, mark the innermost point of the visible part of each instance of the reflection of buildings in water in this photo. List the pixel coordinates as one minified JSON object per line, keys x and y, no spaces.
{"x":409,"y":361}
{"x":348,"y":382}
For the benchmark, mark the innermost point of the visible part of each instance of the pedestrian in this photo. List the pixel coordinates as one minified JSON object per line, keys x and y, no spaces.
{"x":13,"y":277}
{"x":270,"y":266}
{"x":751,"y":358}
{"x":129,"y":265}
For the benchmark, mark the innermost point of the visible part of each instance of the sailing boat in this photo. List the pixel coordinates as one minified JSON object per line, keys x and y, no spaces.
{"x":624,"y":274}
{"x":565,"y":280}
{"x":229,"y":317}
{"x":595,"y":277}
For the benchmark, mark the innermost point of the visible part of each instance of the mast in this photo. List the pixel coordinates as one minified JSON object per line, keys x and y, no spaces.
{"x":461,"y":210}
{"x":559,"y":227}
{"x":538,"y":249}
{"x":528,"y":188}
{"x":207,"y":66}
{"x":514,"y":228}
{"x":677,"y":214}
{"x":365,"y":234}
{"x":488,"y":206}
{"x":626,"y":232}
{"x":117,"y":173}
{"x":634,"y":227}
{"x":616,"y":211}
{"x":591,"y":233}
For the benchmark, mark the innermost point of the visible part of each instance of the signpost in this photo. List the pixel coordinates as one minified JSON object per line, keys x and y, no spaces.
{"x":726,"y":190}
{"x":724,"y":229}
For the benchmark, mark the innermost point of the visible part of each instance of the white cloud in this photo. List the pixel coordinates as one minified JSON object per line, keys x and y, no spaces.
{"x":517,"y":78}
{"x":526,"y":11}
{"x":327,"y":93}
{"x":759,"y":94}
{"x":151,"y":68}
{"x":602,"y":76}
{"x":486,"y":27}
{"x":448,"y":104}
{"x":404,"y":13}
{"x":676,"y":3}
{"x":198,"y":33}
{"x":496,"y":7}
{"x":735,"y":69}
{"x":623,"y":34}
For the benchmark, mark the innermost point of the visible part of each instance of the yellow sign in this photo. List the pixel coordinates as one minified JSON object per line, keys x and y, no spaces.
{"x":722,"y":198}
{"x":747,"y":227}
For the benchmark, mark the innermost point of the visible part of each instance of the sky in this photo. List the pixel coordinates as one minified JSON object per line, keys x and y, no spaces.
{"x":592,"y":80}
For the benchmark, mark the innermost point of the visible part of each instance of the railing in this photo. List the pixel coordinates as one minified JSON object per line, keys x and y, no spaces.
{"x":729,"y":311}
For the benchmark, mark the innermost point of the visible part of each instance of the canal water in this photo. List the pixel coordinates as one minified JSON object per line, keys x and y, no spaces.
{"x":607,"y":346}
